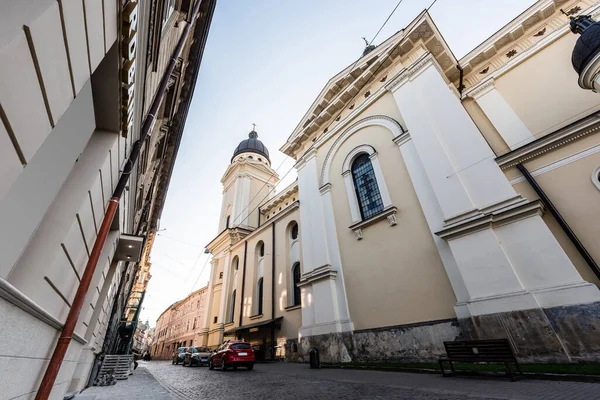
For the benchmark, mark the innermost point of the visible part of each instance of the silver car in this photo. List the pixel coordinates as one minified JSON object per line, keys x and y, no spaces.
{"x":197,"y":355}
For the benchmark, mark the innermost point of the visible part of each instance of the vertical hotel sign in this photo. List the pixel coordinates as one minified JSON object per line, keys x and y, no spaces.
{"x":129,"y":32}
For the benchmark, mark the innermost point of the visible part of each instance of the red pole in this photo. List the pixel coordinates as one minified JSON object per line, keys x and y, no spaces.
{"x":69,"y":327}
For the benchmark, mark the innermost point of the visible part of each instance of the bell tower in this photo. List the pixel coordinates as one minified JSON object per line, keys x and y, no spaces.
{"x":247,"y":182}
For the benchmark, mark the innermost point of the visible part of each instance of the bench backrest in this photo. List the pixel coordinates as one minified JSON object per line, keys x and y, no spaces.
{"x":480,"y":350}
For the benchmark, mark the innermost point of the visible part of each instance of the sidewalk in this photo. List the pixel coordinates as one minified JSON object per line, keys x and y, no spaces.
{"x":141,"y":385}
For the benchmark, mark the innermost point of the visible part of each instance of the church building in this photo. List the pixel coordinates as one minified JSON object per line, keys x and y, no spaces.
{"x":437,"y":199}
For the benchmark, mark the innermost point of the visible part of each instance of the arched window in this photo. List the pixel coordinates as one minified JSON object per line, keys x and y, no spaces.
{"x":261,"y":249}
{"x":232,"y":307}
{"x":365,"y":184}
{"x":294,"y":232}
{"x":259,"y":290}
{"x":295,"y":282}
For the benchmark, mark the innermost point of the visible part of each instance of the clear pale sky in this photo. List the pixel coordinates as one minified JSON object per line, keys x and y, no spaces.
{"x":265,"y":62}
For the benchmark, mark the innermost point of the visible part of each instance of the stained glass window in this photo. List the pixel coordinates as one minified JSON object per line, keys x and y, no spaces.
{"x":365,"y":184}
{"x":296,"y":281}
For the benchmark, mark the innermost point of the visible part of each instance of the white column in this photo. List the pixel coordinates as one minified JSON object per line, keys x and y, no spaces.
{"x":501,"y":115}
{"x":224,"y":289}
{"x":312,"y":228}
{"x":209,"y":299}
{"x":324,"y":307}
{"x":504,"y":252}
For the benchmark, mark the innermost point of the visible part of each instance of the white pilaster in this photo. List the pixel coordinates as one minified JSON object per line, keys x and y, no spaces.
{"x":224,"y":289}
{"x":501,"y":115}
{"x":209,"y":297}
{"x":324,"y":307}
{"x":504,"y":252}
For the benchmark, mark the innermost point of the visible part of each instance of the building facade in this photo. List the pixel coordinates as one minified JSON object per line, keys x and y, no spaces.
{"x":77,"y":80}
{"x":436,"y":199}
{"x":179,"y":325}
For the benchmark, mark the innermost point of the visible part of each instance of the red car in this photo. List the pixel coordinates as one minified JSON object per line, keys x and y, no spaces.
{"x":232,"y":354}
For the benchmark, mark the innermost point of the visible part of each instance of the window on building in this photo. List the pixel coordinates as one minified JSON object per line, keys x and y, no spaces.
{"x":231,"y":307}
{"x":220,"y":275}
{"x":596,"y":177}
{"x":260,"y":296}
{"x":295,"y":282}
{"x":194,"y":327}
{"x":236,"y":263}
{"x":198,"y":304}
{"x":294,"y":232}
{"x":261,"y":249}
{"x":365,"y":184}
{"x":227,"y":221}
{"x":187,"y":328}
{"x":214,"y":320}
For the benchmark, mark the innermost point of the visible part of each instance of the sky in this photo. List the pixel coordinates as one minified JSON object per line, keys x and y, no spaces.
{"x":265,"y":62}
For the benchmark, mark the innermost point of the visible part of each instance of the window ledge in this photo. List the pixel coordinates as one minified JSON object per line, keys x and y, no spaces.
{"x":296,"y":307}
{"x":388,"y":213}
{"x":257,"y":316}
{"x":228,"y":323}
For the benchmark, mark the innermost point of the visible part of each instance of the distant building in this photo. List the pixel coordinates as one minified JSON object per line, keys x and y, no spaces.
{"x":180,"y":325}
{"x":77,"y":79}
{"x":437,"y":198}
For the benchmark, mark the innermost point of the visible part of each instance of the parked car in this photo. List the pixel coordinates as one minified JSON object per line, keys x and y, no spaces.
{"x":196,"y":356}
{"x":232,"y":354}
{"x":178,"y":355}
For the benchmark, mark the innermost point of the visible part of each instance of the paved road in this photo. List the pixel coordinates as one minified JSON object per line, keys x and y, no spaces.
{"x":297,"y":381}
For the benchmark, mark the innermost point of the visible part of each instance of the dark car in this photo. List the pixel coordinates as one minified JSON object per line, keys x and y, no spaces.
{"x":196,"y":356}
{"x":178,"y":355}
{"x":232,"y":354}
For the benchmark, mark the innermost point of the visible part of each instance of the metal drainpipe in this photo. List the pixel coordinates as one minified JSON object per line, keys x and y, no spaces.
{"x":69,"y":327}
{"x":561,"y":221}
{"x":243,"y":281}
{"x":273,"y":292}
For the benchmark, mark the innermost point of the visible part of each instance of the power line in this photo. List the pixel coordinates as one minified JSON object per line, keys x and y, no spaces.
{"x":349,"y":101}
{"x":199,"y":275}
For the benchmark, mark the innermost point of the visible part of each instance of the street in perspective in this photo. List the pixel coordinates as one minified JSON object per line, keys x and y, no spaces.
{"x":224,"y":199}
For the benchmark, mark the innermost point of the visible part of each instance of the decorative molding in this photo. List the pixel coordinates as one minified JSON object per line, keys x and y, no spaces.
{"x":358,"y":233}
{"x":596,"y":177}
{"x":380,"y":120}
{"x":257,"y":316}
{"x":480,"y":90}
{"x":318,"y":274}
{"x":306,"y":157}
{"x":388,"y":214}
{"x":14,"y":296}
{"x":402,"y":139}
{"x":550,"y":142}
{"x":493,"y":219}
{"x":291,"y":308}
{"x":392,"y":219}
{"x":561,"y":163}
{"x":350,"y":157}
{"x":326,"y":188}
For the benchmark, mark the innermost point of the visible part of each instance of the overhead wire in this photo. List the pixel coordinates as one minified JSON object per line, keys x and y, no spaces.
{"x":333,"y":119}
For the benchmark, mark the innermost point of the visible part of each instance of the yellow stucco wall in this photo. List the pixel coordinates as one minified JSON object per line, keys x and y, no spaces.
{"x":543,"y":90}
{"x":391,"y":269}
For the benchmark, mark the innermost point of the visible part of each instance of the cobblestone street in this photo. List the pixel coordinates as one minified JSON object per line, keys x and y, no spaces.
{"x":160,"y":380}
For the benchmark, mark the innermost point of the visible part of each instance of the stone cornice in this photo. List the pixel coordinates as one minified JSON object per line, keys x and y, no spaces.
{"x":484,"y":87}
{"x":279,"y":198}
{"x":318,"y":274}
{"x":570,"y":133}
{"x":402,"y":139}
{"x":507,"y":215}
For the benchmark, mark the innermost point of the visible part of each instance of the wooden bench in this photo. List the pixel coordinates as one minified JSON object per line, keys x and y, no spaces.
{"x":497,"y":351}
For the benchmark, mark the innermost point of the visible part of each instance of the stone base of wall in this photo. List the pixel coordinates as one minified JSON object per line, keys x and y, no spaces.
{"x":558,"y":334}
{"x":403,"y":343}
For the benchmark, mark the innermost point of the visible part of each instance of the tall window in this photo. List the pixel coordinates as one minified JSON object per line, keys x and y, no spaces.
{"x":261,"y":249}
{"x":227,"y":221}
{"x":295,"y":282}
{"x":194,"y":327}
{"x":232,"y":307}
{"x":260,"y":296}
{"x":365,"y":184}
{"x":294,"y":232}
